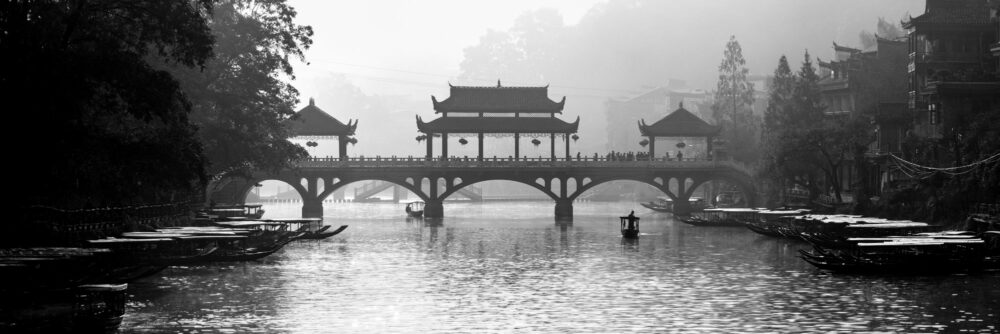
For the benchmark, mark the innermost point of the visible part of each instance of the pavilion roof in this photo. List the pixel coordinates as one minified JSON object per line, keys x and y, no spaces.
{"x":680,"y":123}
{"x":313,"y":121}
{"x":467,"y":99}
{"x":837,"y":47}
{"x":952,"y":12}
{"x":497,"y":125}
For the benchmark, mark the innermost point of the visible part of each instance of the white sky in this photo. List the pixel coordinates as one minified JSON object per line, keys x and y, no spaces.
{"x":406,"y":47}
{"x":417,"y":41}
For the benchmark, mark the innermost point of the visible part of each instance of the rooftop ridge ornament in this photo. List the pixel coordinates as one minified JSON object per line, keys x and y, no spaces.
{"x":312,"y":101}
{"x":498,"y":83}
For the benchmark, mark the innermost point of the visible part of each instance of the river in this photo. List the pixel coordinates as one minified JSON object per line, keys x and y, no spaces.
{"x":508,"y":267}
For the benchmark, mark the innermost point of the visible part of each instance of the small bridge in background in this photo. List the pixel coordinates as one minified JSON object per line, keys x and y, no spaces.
{"x":563,"y":180}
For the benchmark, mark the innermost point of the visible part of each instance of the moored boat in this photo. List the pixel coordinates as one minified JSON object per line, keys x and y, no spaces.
{"x":323,"y":233}
{"x":415,"y":209}
{"x":87,"y":308}
{"x":245,"y":211}
{"x":906,"y":254}
{"x":720,"y":217}
{"x":665,"y":204}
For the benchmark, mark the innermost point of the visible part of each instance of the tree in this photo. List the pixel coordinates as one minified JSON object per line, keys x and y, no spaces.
{"x":778,"y":117}
{"x":240,"y":98}
{"x":524,"y":54}
{"x":806,"y":140}
{"x":732,"y":105}
{"x":105,"y":127}
{"x":779,"y":113}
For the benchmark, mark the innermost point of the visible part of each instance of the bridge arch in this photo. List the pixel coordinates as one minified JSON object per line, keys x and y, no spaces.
{"x":465,"y":183}
{"x":664,"y":188}
{"x":235,"y":189}
{"x":245,"y":191}
{"x":743,"y":184}
{"x":334,"y":186}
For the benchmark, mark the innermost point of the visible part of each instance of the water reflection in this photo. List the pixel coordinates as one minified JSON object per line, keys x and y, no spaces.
{"x":508,"y":267}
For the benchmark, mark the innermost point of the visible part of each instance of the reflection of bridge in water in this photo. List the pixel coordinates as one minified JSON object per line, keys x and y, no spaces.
{"x":433,"y":181}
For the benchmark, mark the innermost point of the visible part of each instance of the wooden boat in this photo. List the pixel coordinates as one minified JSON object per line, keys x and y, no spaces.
{"x":661,"y":204}
{"x":927,"y":252}
{"x":322,"y":233}
{"x":665,"y":204}
{"x":720,"y":217}
{"x":87,"y":308}
{"x":630,"y":226}
{"x":252,"y":211}
{"x":248,"y":250}
{"x":415,"y":209}
{"x":313,"y":228}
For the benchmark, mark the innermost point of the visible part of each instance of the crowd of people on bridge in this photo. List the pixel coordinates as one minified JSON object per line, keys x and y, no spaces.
{"x":611,"y":156}
{"x":637,"y":156}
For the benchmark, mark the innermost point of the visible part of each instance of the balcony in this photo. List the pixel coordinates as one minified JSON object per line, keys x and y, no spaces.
{"x":944,"y":57}
{"x":831,"y":84}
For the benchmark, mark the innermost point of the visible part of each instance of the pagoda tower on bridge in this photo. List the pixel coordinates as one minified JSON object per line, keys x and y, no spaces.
{"x":680,"y":123}
{"x":499,"y":112}
{"x":312,"y":123}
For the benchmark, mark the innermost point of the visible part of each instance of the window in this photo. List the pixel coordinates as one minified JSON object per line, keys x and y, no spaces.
{"x":932,"y":113}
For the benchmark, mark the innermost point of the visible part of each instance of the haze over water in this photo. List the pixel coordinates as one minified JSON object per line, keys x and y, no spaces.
{"x":508,"y":267}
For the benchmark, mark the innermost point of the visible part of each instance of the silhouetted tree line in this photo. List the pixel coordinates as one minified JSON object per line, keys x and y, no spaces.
{"x":124,"y":102}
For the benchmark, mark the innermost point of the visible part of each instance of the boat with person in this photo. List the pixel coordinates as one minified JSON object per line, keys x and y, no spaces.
{"x":415,"y":209}
{"x":630,"y":226}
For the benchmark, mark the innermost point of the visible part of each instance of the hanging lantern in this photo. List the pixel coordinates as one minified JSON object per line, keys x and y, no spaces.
{"x":421,"y":138}
{"x":312,"y":144}
{"x":644,"y":142}
{"x":681,"y":145}
{"x":353,"y":141}
{"x":536,"y":141}
{"x":463,"y":141}
{"x":575,"y":137}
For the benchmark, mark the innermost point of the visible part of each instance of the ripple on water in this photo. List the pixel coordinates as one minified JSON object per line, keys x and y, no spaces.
{"x":508,"y":267}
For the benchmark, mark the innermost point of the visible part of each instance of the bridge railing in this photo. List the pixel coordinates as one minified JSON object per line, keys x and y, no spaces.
{"x":498,"y":162}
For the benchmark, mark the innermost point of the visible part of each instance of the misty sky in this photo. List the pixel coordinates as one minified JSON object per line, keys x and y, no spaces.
{"x":415,"y":47}
{"x":379,"y":61}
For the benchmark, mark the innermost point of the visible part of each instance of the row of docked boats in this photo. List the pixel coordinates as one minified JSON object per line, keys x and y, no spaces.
{"x":82,"y":287}
{"x":854,"y":243}
{"x":132,"y":255}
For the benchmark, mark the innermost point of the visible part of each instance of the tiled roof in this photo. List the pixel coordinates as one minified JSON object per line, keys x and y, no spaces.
{"x":313,"y":121}
{"x":499,"y":100}
{"x":680,"y":123}
{"x":958,"y":12}
{"x":497,"y":125}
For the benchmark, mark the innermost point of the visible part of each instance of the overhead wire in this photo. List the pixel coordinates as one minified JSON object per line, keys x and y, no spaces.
{"x":914,"y":170}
